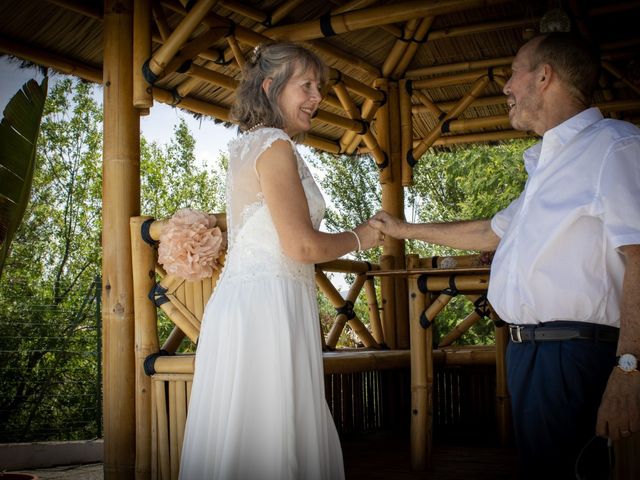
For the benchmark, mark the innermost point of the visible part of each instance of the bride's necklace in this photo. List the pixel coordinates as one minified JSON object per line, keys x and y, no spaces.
{"x":255,"y":127}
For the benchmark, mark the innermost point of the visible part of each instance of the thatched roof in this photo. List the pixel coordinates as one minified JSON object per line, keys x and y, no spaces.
{"x":441,"y":47}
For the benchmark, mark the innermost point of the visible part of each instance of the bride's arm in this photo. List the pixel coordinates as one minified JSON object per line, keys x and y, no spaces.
{"x":284,"y":195}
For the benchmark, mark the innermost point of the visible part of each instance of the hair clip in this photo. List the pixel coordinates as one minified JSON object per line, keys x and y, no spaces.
{"x":255,"y":54}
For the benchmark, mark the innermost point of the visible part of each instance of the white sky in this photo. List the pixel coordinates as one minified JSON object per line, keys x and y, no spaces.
{"x":211,"y":139}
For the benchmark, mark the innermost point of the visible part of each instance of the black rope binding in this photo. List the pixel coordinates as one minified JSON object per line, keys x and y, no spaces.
{"x":186,"y":65}
{"x":452,"y":290}
{"x":346,"y":309}
{"x":145,"y":232}
{"x":148,"y":75}
{"x":410,"y":160}
{"x":434,"y":262}
{"x":384,"y":163}
{"x":482,"y":306}
{"x":149,"y":362}
{"x":424,"y":321}
{"x":325,"y":25}
{"x":422,"y":283}
{"x":157,"y":295}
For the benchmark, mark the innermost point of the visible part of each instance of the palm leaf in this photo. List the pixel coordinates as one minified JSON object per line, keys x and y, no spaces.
{"x":18,"y":135}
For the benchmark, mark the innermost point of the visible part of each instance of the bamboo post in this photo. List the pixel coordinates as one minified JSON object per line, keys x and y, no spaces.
{"x":146,"y":342}
{"x":142,"y":97}
{"x":120,"y":201}
{"x":420,"y":364}
{"x":162,"y":56}
{"x":395,"y":201}
{"x":173,"y":431}
{"x":406,"y":132}
{"x":164,"y":458}
{"x":374,"y":310}
{"x":382,"y":133}
{"x":387,"y":292}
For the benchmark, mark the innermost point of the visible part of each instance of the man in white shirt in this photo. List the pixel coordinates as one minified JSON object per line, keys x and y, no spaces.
{"x":566,"y":272}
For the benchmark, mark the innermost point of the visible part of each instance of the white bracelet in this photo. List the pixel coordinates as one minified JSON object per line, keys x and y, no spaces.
{"x":357,"y":238}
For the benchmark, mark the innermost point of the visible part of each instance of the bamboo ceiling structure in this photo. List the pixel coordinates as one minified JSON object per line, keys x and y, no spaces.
{"x":405,"y":76}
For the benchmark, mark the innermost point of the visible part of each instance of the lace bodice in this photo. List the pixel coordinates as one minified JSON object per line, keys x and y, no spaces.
{"x":254,"y":246}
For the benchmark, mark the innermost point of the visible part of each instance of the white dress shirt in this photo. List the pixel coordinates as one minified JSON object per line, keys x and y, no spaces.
{"x":558,"y":258}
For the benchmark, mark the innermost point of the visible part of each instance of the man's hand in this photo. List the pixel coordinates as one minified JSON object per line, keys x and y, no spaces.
{"x":619,"y":412}
{"x":387,"y":224}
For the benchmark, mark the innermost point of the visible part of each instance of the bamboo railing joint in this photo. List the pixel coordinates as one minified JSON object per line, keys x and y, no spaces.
{"x":149,"y":362}
{"x":145,"y":232}
{"x":158,"y":295}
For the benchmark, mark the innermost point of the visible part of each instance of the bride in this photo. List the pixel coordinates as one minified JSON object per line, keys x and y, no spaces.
{"x":257,"y":407}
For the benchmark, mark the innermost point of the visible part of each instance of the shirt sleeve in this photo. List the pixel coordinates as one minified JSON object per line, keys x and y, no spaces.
{"x":619,"y":192}
{"x":501,"y":220}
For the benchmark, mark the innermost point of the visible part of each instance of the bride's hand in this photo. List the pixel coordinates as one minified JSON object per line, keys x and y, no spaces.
{"x":369,"y":237}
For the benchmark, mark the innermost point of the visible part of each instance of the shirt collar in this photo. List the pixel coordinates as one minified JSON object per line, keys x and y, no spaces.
{"x":560,"y":135}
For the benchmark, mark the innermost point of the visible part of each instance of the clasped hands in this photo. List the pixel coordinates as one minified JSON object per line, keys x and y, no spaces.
{"x":373,"y":232}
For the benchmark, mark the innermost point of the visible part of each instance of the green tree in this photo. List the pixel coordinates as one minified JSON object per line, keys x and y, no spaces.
{"x":49,"y":341}
{"x":469,"y":183}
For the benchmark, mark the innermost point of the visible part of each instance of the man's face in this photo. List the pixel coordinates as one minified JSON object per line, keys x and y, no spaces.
{"x":523,"y":98}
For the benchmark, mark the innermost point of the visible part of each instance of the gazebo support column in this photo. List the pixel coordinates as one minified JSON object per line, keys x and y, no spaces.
{"x":120,"y":200}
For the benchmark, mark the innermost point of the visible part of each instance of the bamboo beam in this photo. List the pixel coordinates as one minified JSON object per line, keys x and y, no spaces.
{"x":431,"y":107}
{"x":462,"y":283}
{"x":84,"y":8}
{"x":142,"y":97}
{"x":460,"y":78}
{"x":161,"y":21}
{"x":339,"y":121}
{"x":345,"y":265}
{"x":178,"y":37}
{"x":173,"y":341}
{"x":446,"y":106}
{"x":485,"y":27}
{"x":213,"y":77}
{"x":192,"y":104}
{"x":375,"y":16}
{"x":58,"y":62}
{"x":620,"y":76}
{"x":350,"y":107}
{"x":322,"y":143}
{"x":462,"y":327}
{"x":458,"y":67}
{"x":245,"y":10}
{"x":409,"y":53}
{"x":399,"y":47}
{"x":369,"y":111}
{"x":325,"y":285}
{"x":481,"y":137}
{"x":237,"y":51}
{"x":120,"y":202}
{"x":478,"y":86}
{"x":354,"y":362}
{"x":146,"y":342}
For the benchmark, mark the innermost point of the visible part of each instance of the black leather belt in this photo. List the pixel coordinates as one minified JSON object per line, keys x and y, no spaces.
{"x":544,"y":333}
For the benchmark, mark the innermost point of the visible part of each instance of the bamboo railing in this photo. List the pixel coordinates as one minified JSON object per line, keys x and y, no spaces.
{"x":164,"y":374}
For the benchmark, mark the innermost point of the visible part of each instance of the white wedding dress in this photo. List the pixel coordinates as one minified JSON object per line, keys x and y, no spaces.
{"x":257,"y":407}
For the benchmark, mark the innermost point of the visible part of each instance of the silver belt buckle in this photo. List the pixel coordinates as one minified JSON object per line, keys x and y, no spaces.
{"x":515,"y":332}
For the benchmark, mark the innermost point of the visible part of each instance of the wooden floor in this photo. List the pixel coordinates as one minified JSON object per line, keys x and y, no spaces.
{"x":386,"y":456}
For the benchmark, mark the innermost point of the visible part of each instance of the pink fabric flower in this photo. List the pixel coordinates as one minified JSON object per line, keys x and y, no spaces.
{"x":190,"y":245}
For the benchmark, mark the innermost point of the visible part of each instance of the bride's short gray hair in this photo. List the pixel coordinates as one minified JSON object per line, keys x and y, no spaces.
{"x":277,"y":61}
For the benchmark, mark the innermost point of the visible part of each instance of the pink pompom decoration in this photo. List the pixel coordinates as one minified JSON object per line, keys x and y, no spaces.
{"x":190,"y":245}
